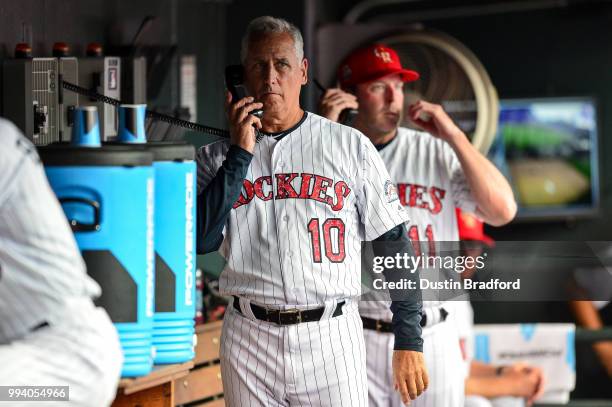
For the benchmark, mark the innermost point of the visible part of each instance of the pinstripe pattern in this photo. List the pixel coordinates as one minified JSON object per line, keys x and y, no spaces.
{"x":264,"y":364}
{"x":270,"y":252}
{"x":443,"y":364}
{"x":416,"y":158}
{"x":419,"y":158}
{"x":79,"y":349}
{"x":39,"y":261}
{"x":267,"y":245}
{"x":43,"y":279}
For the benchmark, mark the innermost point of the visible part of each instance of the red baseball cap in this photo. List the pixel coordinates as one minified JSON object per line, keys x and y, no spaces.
{"x":370,"y":63}
{"x":471,"y":228}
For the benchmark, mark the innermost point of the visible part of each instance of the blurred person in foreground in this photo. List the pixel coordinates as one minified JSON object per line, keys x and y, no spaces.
{"x":51,"y":333}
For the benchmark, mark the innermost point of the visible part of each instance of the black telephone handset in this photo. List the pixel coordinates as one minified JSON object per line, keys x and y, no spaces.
{"x":346,"y":116}
{"x":234,"y":81}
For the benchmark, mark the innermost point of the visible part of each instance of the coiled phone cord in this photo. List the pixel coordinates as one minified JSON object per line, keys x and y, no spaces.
{"x":150,"y":114}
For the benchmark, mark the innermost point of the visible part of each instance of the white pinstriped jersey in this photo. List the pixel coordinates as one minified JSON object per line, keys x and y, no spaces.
{"x":430,"y":183}
{"x":308,"y":200}
{"x":40,"y":264}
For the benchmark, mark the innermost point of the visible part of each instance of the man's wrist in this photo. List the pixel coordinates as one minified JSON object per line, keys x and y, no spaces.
{"x":242,"y":147}
{"x":411,"y":349}
{"x":416,"y":347}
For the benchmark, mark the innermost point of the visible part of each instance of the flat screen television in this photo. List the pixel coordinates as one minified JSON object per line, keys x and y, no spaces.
{"x":547,"y":148}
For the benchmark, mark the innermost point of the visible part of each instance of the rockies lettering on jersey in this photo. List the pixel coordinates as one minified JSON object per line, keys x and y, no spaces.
{"x":308,"y":200}
{"x":420,"y":196}
{"x":311,"y":186}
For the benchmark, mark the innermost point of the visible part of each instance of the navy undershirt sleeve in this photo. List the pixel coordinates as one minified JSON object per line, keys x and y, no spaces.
{"x":215,"y":201}
{"x":406,"y":309}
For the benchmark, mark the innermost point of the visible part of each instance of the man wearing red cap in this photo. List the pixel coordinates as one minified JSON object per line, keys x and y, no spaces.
{"x":434,"y":171}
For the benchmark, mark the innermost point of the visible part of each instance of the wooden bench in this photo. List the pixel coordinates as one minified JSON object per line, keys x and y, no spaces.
{"x":198,"y":381}
{"x":157,"y":389}
{"x":203,"y":383}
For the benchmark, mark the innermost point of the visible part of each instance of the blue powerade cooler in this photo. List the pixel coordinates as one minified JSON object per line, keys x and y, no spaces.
{"x":175,"y":223}
{"x":108,"y":196}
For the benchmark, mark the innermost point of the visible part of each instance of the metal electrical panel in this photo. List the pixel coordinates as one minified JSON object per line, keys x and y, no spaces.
{"x":69,"y":72}
{"x":30,"y":97}
{"x":102,"y":75}
{"x":45,"y":100}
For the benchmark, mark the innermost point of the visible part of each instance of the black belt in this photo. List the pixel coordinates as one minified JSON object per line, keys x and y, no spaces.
{"x":288,"y":317}
{"x":387,"y":327}
{"x":377,"y":325}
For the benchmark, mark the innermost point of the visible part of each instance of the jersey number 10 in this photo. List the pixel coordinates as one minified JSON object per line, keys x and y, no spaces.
{"x":335,"y":256}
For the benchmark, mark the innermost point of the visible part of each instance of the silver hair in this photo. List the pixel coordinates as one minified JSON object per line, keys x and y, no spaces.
{"x":272,"y":25}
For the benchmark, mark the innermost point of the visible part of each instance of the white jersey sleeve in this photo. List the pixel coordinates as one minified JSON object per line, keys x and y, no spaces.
{"x":460,"y":188}
{"x":40,"y":264}
{"x":377,"y":201}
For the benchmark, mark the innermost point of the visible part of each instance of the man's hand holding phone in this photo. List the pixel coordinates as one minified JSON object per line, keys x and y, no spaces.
{"x":242,"y":125}
{"x":334,"y":102}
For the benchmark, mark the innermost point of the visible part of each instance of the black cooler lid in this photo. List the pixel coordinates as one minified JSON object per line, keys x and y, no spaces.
{"x":163,"y":150}
{"x":171,"y":151}
{"x":64,"y":154}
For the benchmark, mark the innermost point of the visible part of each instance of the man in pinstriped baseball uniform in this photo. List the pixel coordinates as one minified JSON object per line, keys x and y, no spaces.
{"x":51,"y":334}
{"x":434,"y":171}
{"x":289,"y":213}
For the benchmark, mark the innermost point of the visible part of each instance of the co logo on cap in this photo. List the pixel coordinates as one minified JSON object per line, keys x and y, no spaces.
{"x":382,"y":54}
